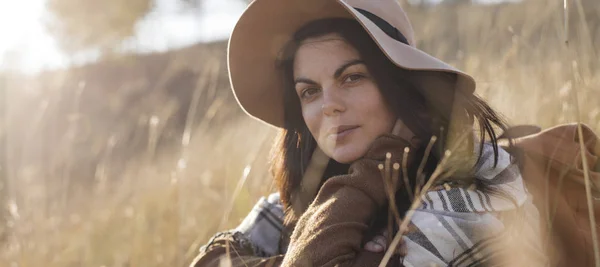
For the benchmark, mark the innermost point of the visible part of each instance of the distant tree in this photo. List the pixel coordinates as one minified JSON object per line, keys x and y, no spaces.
{"x":81,"y":25}
{"x":90,"y":24}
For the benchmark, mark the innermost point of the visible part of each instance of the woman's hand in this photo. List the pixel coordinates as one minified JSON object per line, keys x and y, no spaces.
{"x":380,"y":241}
{"x":344,"y":207}
{"x":379,"y":244}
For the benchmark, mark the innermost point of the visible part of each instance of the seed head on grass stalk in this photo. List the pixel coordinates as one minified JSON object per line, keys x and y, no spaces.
{"x":420,"y":176}
{"x":405,"y":172}
{"x":439,"y":171}
{"x":588,"y":190}
{"x":390,"y":181}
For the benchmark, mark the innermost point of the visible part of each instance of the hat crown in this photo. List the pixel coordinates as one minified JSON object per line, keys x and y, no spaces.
{"x":390,"y":11}
{"x":266,"y":26}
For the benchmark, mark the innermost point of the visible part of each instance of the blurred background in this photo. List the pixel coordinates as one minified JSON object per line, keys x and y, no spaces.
{"x":122,"y":144}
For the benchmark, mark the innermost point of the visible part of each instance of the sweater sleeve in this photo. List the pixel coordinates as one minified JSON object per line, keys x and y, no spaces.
{"x":331,"y":230}
{"x":255,"y":242}
{"x":232,"y":249}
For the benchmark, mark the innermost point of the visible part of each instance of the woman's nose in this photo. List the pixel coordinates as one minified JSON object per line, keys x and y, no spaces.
{"x":333,"y":103}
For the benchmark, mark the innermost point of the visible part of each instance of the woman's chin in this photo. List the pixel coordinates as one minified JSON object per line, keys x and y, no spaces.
{"x":346,"y":155}
{"x":346,"y":152}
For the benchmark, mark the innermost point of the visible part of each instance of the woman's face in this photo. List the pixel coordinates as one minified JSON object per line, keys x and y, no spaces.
{"x":341,"y":103}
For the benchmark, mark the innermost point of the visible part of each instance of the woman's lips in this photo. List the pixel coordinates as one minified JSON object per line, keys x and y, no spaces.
{"x":343,"y":131}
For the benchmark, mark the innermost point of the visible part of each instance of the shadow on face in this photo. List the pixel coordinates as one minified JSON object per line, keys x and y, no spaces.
{"x":341,"y":102}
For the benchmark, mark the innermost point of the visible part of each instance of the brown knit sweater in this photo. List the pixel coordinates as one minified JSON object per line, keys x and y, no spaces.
{"x":331,"y":230}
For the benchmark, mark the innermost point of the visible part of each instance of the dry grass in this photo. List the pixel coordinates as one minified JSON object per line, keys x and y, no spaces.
{"x":134,"y":162}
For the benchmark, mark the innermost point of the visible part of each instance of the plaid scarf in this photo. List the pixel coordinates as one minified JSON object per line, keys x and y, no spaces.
{"x":452,"y":226}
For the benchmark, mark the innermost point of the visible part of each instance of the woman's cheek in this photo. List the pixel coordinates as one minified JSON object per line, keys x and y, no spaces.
{"x":362,"y":145}
{"x":313,"y":121}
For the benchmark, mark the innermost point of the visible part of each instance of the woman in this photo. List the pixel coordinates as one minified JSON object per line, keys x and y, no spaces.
{"x":344,"y":82}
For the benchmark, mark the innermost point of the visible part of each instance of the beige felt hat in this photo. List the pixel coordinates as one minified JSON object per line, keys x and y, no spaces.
{"x":266,"y":26}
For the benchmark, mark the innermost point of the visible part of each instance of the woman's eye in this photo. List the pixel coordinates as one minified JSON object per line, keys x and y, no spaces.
{"x":306,"y":93}
{"x":353,"y":78}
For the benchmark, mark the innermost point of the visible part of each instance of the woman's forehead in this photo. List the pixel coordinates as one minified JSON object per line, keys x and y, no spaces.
{"x":330,"y":37}
{"x":332,"y":40}
{"x":330,"y":50}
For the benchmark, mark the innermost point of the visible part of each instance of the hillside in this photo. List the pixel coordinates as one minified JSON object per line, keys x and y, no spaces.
{"x":116,"y":162}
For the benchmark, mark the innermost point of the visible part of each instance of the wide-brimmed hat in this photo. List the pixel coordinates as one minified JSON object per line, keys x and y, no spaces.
{"x":266,"y":26}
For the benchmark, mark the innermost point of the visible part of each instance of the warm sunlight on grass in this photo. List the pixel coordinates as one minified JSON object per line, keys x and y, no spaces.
{"x":135,"y":161}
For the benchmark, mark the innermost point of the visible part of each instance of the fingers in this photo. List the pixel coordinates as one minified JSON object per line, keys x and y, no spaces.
{"x":381,"y":241}
{"x":401,"y":248}
{"x":377,"y":244}
{"x":372,"y":246}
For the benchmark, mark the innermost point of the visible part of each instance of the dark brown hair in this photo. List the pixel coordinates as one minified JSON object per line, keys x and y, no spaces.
{"x":295,"y":145}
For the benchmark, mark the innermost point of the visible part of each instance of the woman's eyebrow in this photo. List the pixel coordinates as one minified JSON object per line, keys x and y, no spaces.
{"x":342,"y":68}
{"x":336,"y":74}
{"x":304,"y":80}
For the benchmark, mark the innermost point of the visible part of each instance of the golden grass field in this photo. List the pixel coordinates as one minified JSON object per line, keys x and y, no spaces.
{"x":137,"y":161}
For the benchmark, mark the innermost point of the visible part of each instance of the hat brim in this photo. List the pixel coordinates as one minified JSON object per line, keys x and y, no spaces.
{"x":265,"y":28}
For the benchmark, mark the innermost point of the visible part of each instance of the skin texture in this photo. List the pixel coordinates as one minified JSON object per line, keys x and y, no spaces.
{"x":336,"y":89}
